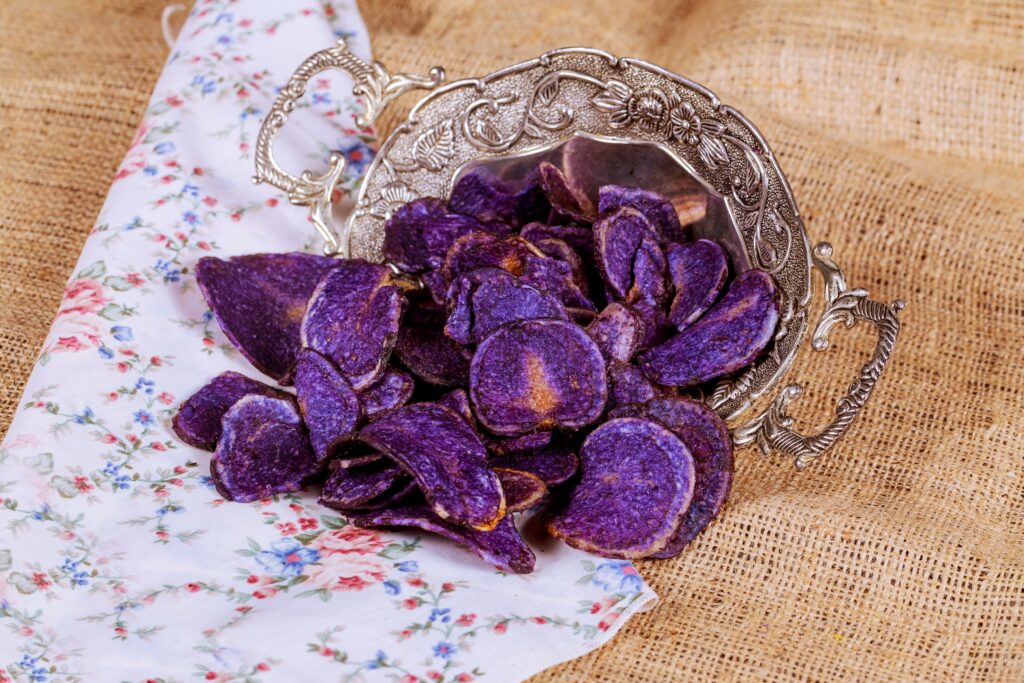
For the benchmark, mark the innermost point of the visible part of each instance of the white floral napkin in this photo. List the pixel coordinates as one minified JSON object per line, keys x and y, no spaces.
{"x":118,"y":560}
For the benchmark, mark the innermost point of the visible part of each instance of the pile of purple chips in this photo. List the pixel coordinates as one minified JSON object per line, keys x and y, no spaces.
{"x":534,"y":350}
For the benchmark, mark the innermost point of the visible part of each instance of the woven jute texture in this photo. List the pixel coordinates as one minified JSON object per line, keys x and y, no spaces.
{"x":899,"y":556}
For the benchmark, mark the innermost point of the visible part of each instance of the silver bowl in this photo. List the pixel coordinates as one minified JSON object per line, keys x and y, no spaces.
{"x":636,"y":124}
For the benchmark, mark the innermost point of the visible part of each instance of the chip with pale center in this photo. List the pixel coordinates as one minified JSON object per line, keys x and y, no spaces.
{"x":636,"y":483}
{"x":353,"y":319}
{"x":446,"y":458}
{"x":259,"y":301}
{"x":264,"y":450}
{"x":728,"y":337}
{"x":536,"y":375}
{"x":707,"y":437}
{"x":618,"y":332}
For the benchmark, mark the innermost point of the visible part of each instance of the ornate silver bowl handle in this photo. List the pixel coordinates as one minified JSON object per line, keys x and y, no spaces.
{"x":375,"y":85}
{"x":771,"y":430}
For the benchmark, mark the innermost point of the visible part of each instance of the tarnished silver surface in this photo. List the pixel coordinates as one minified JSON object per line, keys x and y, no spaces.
{"x":633,"y":118}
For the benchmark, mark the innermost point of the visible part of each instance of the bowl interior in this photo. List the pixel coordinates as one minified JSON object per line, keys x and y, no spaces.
{"x":593,"y":161}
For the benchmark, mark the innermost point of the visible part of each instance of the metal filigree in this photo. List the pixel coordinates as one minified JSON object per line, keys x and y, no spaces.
{"x":375,"y":85}
{"x":772,"y":429}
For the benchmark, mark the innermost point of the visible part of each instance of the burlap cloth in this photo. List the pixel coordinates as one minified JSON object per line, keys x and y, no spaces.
{"x":901,"y":128}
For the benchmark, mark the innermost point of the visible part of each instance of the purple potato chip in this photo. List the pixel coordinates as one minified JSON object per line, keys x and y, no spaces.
{"x":699,"y":271}
{"x":329,"y":406}
{"x":656,"y":208}
{"x":561,"y":251}
{"x":579,"y":237}
{"x":497,"y":300}
{"x":502,"y":546}
{"x":427,"y":353}
{"x":653,"y":324}
{"x":264,"y":450}
{"x":535,"y":375}
{"x":519,"y":444}
{"x":436,"y":285}
{"x":628,"y":384}
{"x":419,"y":234}
{"x":617,"y":238}
{"x":635,"y":486}
{"x":556,"y":278}
{"x":353,"y":319}
{"x":259,"y":301}
{"x":728,"y":337}
{"x":356,"y":488}
{"x":391,"y":390}
{"x":458,"y":400}
{"x":566,"y":198}
{"x":522,"y":490}
{"x":617,"y":331}
{"x":650,"y":275}
{"x":446,"y":458}
{"x":355,"y":454}
{"x":554,"y":464}
{"x":198,"y":420}
{"x":707,"y":437}
{"x":487,"y":198}
{"x":484,"y":250}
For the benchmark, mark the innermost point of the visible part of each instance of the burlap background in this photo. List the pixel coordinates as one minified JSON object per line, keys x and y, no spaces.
{"x":901,"y":129}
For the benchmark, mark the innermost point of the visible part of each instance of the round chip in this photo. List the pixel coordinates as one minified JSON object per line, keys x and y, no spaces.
{"x":353,"y":319}
{"x":657,"y":209}
{"x":198,"y":420}
{"x":707,"y":437}
{"x":561,"y":251}
{"x":522,"y":490}
{"x":445,"y":457}
{"x":536,"y":375}
{"x":699,"y":271}
{"x":728,"y":337}
{"x":259,"y":301}
{"x":264,"y":450}
{"x":392,"y":390}
{"x":617,"y":238}
{"x":329,"y":406}
{"x":502,"y":546}
{"x":635,"y":486}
